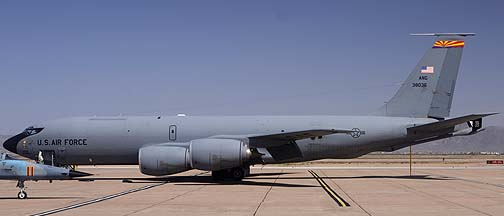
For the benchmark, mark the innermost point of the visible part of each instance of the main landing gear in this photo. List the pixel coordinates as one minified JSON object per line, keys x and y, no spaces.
{"x":22,"y":194}
{"x":237,"y":173}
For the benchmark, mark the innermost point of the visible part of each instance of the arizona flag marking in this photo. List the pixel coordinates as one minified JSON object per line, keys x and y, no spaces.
{"x":448,"y":44}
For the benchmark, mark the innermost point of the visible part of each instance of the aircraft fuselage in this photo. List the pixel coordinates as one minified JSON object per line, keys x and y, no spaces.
{"x":117,"y":140}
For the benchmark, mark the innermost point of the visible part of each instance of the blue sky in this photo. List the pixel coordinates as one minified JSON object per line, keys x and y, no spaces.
{"x":81,"y":58}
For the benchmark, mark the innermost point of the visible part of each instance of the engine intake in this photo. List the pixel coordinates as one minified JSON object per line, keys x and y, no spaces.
{"x":163,"y":160}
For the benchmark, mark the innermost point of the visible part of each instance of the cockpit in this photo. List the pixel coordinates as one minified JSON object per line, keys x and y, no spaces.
{"x":32,"y":130}
{"x":5,"y":156}
{"x":12,"y":143}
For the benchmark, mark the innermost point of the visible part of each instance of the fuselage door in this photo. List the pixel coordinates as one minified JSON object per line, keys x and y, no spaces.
{"x":173,"y":132}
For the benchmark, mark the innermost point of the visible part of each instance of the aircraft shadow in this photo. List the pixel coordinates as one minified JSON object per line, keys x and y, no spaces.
{"x":255,"y":180}
{"x":418,"y":177}
{"x":203,"y":180}
{"x":270,"y":174}
{"x":245,"y":182}
{"x":39,"y":198}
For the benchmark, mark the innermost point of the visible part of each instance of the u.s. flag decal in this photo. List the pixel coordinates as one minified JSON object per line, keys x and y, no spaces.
{"x":427,"y":69}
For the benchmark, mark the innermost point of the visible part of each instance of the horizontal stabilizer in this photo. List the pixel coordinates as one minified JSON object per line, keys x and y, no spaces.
{"x":444,"y":34}
{"x":445,"y":124}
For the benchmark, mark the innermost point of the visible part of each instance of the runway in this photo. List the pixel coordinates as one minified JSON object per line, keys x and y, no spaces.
{"x":269,"y":191}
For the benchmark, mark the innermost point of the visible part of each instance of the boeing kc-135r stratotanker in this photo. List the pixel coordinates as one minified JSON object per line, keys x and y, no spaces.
{"x":227,"y":146}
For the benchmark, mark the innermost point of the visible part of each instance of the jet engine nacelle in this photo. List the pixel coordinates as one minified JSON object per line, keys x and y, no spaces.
{"x":218,"y":154}
{"x":163,"y":160}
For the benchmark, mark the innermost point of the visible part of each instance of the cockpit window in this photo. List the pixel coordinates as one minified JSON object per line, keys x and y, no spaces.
{"x":32,"y":131}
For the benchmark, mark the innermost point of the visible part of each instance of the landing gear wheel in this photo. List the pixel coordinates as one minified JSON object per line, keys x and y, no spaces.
{"x":22,"y":195}
{"x":237,"y":173}
{"x":218,"y":175}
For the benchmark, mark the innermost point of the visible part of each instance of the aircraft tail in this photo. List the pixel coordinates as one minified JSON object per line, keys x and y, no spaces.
{"x":428,"y":90}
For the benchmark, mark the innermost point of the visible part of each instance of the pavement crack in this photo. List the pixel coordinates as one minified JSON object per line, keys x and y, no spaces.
{"x":467,"y":180}
{"x":440,"y":198}
{"x":165,"y":201}
{"x":93,"y":201}
{"x":172,"y":198}
{"x":265,"y":195}
{"x":437,"y":197}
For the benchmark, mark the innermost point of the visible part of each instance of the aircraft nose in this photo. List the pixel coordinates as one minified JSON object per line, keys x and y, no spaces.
{"x":74,"y":173}
{"x":11,"y":143}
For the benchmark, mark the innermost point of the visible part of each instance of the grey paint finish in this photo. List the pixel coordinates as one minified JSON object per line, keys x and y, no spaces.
{"x":445,"y":88}
{"x":116,"y":140}
{"x":434,"y":99}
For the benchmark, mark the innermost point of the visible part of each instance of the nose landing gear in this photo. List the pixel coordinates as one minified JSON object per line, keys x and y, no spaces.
{"x":22,"y":194}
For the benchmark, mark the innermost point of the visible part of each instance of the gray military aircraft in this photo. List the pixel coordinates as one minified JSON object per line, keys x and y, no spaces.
{"x":227,"y":146}
{"x":22,"y":171}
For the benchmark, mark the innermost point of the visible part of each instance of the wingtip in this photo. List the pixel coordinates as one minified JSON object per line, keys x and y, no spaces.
{"x":489,"y":114}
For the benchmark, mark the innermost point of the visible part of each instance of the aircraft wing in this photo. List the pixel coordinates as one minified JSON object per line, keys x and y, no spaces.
{"x":272,"y":140}
{"x":279,"y":139}
{"x":282,"y":146}
{"x":449,"y":123}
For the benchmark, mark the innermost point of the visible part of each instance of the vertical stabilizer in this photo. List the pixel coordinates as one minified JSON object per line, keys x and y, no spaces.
{"x":428,"y":90}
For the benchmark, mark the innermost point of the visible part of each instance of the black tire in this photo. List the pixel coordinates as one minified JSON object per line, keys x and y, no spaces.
{"x":218,"y":175}
{"x":237,"y":173}
{"x":22,"y":195}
